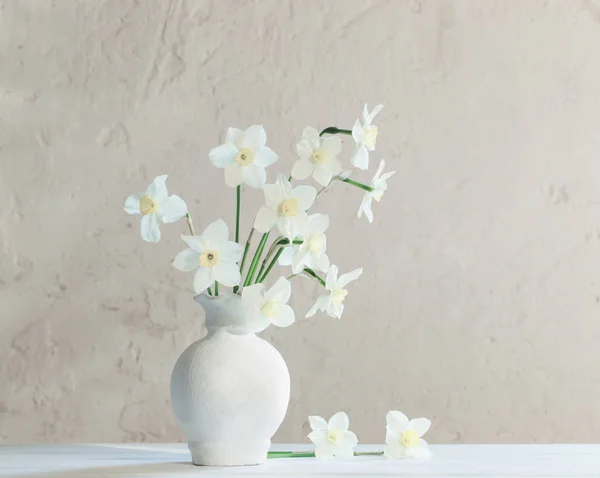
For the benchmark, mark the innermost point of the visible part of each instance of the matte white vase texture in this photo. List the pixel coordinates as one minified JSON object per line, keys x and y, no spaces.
{"x":229,"y":390}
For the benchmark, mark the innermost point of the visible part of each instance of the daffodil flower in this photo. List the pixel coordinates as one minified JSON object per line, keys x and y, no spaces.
{"x":365,"y":136}
{"x":155,"y":206}
{"x":311,"y":253}
{"x":332,"y":302}
{"x":379,"y":185}
{"x":268,"y":306}
{"x":403,"y":437}
{"x":212,"y":256}
{"x":244,"y":157}
{"x":285,"y":207}
{"x":333,"y":438}
{"x":317,"y":157}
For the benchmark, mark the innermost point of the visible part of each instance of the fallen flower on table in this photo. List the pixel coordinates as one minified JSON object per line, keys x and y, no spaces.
{"x":333,"y":438}
{"x":403,"y":437}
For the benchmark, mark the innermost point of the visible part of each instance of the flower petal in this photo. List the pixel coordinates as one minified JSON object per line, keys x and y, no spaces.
{"x":393,"y":451}
{"x":285,"y":259}
{"x":419,"y":426}
{"x":350,"y":439}
{"x":311,"y":135}
{"x":305,"y":195}
{"x":215,"y":234}
{"x":254,"y":176}
{"x":321,"y":175}
{"x":253,"y":295}
{"x":370,"y":117}
{"x":392,"y":437}
{"x":234,"y":137}
{"x":265,"y":220}
{"x":280,"y":291}
{"x":234,"y":175}
{"x":132,"y":204}
{"x":158,"y":189}
{"x":349,"y":277}
{"x":358,"y":133}
{"x":195,"y":243}
{"x":304,"y":150}
{"x":324,"y":451}
{"x":227,"y":274}
{"x":331,"y":279}
{"x":396,"y":421}
{"x":344,"y":452}
{"x":149,"y":228}
{"x":230,"y":252}
{"x":361,"y":158}
{"x":319,"y":222}
{"x":223,"y":156}
{"x":334,"y":166}
{"x":298,"y":260}
{"x":365,"y":206}
{"x":285,"y":318}
{"x":203,"y":279}
{"x":321,"y":303}
{"x":265,"y":157}
{"x":339,"y":421}
{"x":335,"y":310}
{"x":273,"y":195}
{"x":379,"y":170}
{"x":257,"y":323}
{"x":187,"y":260}
{"x":173,"y":209}
{"x":317,"y":423}
{"x":333,"y":145}
{"x":302,"y":169}
{"x":320,"y":262}
{"x":255,"y":137}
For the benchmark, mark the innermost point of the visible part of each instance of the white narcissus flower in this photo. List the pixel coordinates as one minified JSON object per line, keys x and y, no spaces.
{"x":311,"y":253}
{"x":365,"y":136}
{"x":332,"y":439}
{"x":285,"y":207}
{"x":317,"y":157}
{"x":212,"y":256}
{"x":244,"y":157}
{"x":156,"y":206}
{"x":403,"y":437}
{"x":268,"y":306}
{"x":379,"y":185}
{"x":332,"y":303}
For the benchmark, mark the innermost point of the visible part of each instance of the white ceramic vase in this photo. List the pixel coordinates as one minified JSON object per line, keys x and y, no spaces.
{"x":229,"y":390}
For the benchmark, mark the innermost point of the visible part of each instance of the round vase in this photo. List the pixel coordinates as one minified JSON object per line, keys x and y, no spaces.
{"x":229,"y":390}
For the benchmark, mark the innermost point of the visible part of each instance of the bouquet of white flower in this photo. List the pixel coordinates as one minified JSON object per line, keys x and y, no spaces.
{"x":301,"y":242}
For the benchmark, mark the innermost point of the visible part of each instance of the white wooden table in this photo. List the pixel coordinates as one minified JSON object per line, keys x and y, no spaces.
{"x":173,"y":460}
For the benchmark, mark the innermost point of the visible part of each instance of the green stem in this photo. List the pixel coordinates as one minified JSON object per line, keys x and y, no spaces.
{"x":216,"y":289}
{"x":334,"y":130}
{"x":315,"y":275}
{"x":237,"y":214}
{"x":273,"y":262}
{"x":358,"y":185}
{"x":209,"y":291}
{"x":291,"y":454}
{"x":279,"y":242}
{"x":256,"y":259}
{"x":246,"y":249}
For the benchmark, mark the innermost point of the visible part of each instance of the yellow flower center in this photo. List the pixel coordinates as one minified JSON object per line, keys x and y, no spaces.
{"x":315,"y":244}
{"x":321,"y":155}
{"x":377,"y":194}
{"x":147,"y":205}
{"x":289,"y":207}
{"x":409,"y":439}
{"x":209,"y":258}
{"x":335,"y":435}
{"x":270,"y":309}
{"x":370,"y":136}
{"x":244,"y":157}
{"x":338,"y":296}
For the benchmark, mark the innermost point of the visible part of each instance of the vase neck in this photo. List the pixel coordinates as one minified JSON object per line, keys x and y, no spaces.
{"x":224,"y":313}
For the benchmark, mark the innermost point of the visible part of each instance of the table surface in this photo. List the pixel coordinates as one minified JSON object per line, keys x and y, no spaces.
{"x":173,"y":460}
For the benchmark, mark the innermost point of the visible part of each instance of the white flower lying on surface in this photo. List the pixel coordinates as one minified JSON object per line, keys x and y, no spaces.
{"x":379,"y":185}
{"x":285,"y":207}
{"x":317,"y":157}
{"x":213,"y":256}
{"x":155,"y":205}
{"x":403,"y":437}
{"x":268,"y":306}
{"x":244,"y":157}
{"x":365,"y":136}
{"x":332,"y":303}
{"x":332,"y":439}
{"x":311,"y":253}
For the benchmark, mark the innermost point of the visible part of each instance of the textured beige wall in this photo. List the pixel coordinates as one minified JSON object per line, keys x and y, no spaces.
{"x":480,"y":302}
